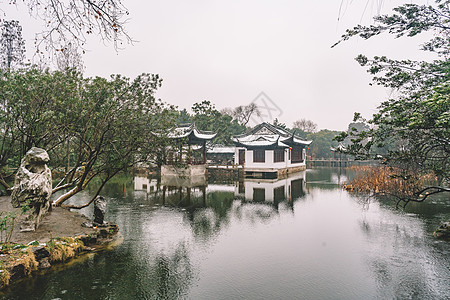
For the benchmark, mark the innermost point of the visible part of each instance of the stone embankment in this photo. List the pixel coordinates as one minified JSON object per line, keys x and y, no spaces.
{"x":59,"y":238}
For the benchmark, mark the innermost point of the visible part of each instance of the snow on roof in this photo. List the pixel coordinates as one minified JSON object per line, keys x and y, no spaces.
{"x":204,"y":135}
{"x":281,"y":144}
{"x":186,"y":131}
{"x":258,"y":143}
{"x":221,"y":150}
{"x":266,"y":134}
{"x":251,"y":138}
{"x":339,"y":147}
{"x":299,"y":141}
{"x":180,"y":132}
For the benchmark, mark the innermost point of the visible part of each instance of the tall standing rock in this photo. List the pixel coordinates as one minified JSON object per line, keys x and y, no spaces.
{"x":99,"y":210}
{"x":33,"y":187}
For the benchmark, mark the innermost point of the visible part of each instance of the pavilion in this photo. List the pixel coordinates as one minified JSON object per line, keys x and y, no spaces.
{"x":270,"y":151}
{"x":189,"y":156}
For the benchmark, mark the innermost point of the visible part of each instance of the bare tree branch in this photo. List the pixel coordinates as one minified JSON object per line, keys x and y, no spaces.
{"x":74,"y":20}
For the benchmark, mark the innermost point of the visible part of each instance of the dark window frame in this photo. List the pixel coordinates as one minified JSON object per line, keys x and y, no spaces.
{"x":278,"y":155}
{"x":241,"y":156}
{"x":259,"y":194}
{"x":297,"y":155}
{"x":279,"y":194}
{"x":259,"y":156}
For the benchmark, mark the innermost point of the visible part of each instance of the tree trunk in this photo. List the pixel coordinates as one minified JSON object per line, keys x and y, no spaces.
{"x":67,"y":195}
{"x":61,"y":187}
{"x":5,"y":185}
{"x":92,"y":199}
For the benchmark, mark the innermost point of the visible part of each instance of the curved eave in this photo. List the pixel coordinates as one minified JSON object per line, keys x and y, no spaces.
{"x":299,"y":141}
{"x":293,"y":141}
{"x":192,"y":134}
{"x":203,"y":135}
{"x":261,"y":145}
{"x":180,"y":136}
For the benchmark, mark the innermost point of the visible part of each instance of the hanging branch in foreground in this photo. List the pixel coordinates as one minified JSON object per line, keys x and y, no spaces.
{"x":423,"y":194}
{"x":410,"y":20}
{"x":74,"y":20}
{"x":403,"y":186}
{"x":411,"y":130}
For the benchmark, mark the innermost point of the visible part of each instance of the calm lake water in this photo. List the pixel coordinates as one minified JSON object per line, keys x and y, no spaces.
{"x":297,"y":238}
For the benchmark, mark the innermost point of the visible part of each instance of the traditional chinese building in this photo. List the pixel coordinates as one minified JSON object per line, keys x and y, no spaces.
{"x":220,"y":155}
{"x":188,"y":158}
{"x":270,"y":151}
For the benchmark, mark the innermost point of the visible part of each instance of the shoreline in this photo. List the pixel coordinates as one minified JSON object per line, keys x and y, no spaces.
{"x":59,"y":239}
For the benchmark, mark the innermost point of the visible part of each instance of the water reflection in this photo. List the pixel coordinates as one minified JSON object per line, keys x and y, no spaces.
{"x":402,"y":255}
{"x":324,"y":178}
{"x":145,"y":184}
{"x":208,"y":206}
{"x":192,"y":192}
{"x":302,"y":237}
{"x":272,"y":191}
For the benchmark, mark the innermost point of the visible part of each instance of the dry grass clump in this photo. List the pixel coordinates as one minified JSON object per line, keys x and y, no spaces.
{"x":4,"y":276}
{"x":17,"y":256}
{"x":62,"y":249}
{"x":18,"y":260}
{"x":29,"y":262}
{"x":384,"y":180}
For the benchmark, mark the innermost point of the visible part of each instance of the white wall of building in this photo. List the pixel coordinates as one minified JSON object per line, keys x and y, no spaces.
{"x":268,"y":164}
{"x":144,"y":184}
{"x":269,"y":186}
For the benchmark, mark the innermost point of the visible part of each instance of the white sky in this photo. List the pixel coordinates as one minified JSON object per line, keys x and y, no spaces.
{"x":230,"y":51}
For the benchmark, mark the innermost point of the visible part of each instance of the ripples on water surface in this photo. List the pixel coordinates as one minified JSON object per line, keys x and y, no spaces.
{"x":298,"y":238}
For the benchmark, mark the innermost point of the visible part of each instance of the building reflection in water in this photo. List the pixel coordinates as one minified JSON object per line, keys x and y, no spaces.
{"x":177,"y":191}
{"x":194,"y":192}
{"x":209,"y":207}
{"x":207,"y":210}
{"x":145,"y":184}
{"x":272,"y":191}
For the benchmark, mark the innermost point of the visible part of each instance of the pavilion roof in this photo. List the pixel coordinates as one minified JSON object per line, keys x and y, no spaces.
{"x":339,"y":148}
{"x":268,"y":135}
{"x":221,"y":150}
{"x":191,"y":132}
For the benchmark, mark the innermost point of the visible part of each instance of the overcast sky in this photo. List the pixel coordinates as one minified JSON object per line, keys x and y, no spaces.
{"x":228,"y":52}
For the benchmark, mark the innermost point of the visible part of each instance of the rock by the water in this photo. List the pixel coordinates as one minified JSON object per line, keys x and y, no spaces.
{"x":99,"y":210}
{"x":33,"y":187}
{"x":44,"y":263}
{"x":87,"y":224}
{"x":443,"y":231}
{"x":40,"y":252}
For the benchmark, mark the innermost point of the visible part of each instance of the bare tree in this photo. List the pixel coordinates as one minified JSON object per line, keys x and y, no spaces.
{"x":69,"y":58}
{"x":227,"y":111}
{"x":243,"y":113}
{"x":305,"y":125}
{"x":74,"y":20}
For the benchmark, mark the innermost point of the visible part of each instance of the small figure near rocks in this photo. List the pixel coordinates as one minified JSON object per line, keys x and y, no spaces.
{"x":33,"y":187}
{"x":99,"y":211}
